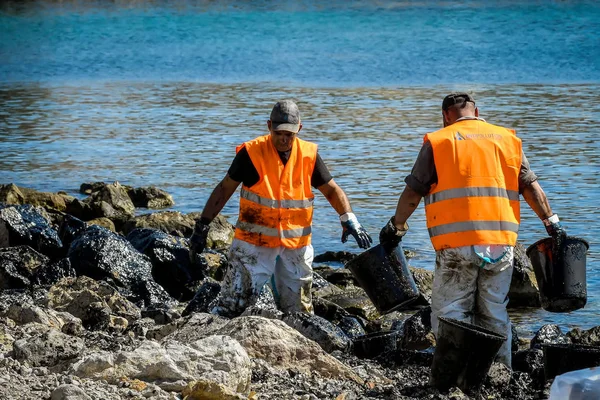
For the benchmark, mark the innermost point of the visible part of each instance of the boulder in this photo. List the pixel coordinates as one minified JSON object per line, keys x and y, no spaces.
{"x":150,"y":197}
{"x":424,"y":281}
{"x":161,"y":314}
{"x":48,"y":348}
{"x":547,"y":334}
{"x":14,"y":195}
{"x":103,"y":222}
{"x":96,"y":303}
{"x":28,"y":313}
{"x":18,"y":265}
{"x":355,"y":301}
{"x":91,"y":187}
{"x":351,"y":326}
{"x":204,"y":297}
{"x":197,"y":326}
{"x":51,"y":273}
{"x":416,"y":331}
{"x":321,"y":287}
{"x":285,"y":348}
{"x":69,"y":392}
{"x":146,"y":197}
{"x":213,"y":264}
{"x":220,"y":234}
{"x":70,"y":228}
{"x":30,"y":226}
{"x":218,"y":359}
{"x":329,"y":310}
{"x":113,"y":202}
{"x":207,"y":390}
{"x":530,"y":361}
{"x":335,"y":256}
{"x":169,"y":255}
{"x":171,"y":222}
{"x":6,"y":340}
{"x":340,"y":277}
{"x":103,"y":255}
{"x":327,"y":335}
{"x":498,"y":376}
{"x":11,"y":195}
{"x":590,"y":337}
{"x":524,"y":291}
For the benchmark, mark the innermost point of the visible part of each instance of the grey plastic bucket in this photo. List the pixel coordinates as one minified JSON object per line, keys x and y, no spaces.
{"x":463,"y":355}
{"x":384,"y":275}
{"x":559,"y":267}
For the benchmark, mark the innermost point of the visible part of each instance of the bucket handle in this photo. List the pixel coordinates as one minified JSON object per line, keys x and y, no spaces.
{"x":559,"y":242}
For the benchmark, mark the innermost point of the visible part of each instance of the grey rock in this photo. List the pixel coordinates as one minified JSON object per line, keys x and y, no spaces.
{"x":590,"y":337}
{"x":150,"y":197}
{"x":48,"y":348}
{"x":113,"y":202}
{"x":327,"y":335}
{"x":69,"y":392}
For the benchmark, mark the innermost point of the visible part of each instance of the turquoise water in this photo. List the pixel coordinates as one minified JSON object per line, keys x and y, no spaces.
{"x":150,"y":94}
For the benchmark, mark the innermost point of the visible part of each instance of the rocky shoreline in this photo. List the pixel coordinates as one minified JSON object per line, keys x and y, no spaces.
{"x":97,"y":302}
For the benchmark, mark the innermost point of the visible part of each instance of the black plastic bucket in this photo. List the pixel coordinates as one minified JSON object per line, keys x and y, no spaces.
{"x":561,"y":358}
{"x":463,"y":355}
{"x":384,"y":275}
{"x":373,"y":344}
{"x":559,"y":268}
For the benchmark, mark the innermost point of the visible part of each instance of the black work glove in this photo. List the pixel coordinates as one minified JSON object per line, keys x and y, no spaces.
{"x":391,"y":235}
{"x":351,"y":226}
{"x":553,"y":226}
{"x":198,"y":239}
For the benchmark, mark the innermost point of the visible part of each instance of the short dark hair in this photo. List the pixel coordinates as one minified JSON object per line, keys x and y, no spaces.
{"x":457,"y":99}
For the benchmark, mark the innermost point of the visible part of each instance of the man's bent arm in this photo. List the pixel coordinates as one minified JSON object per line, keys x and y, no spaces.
{"x":407,"y":203}
{"x":336,"y":197}
{"x":536,"y":198}
{"x":218,"y":198}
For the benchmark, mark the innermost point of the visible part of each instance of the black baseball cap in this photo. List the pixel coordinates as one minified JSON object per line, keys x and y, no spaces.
{"x":285,"y":116}
{"x":457,"y":99}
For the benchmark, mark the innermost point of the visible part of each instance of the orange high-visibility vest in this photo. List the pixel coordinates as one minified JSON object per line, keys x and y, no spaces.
{"x":278,"y":209}
{"x":476,"y":198}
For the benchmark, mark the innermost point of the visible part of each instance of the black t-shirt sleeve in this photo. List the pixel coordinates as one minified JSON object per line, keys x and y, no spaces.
{"x":320,"y":175}
{"x":242,"y":169}
{"x":423,"y":174}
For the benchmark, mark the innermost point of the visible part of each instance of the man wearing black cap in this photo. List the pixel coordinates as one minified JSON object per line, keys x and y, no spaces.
{"x":273,"y":231}
{"x":471,"y":174}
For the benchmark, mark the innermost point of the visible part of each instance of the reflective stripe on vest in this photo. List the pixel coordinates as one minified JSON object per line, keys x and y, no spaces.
{"x":471,"y":192}
{"x":288,"y":234}
{"x":476,"y":198}
{"x":457,"y":227}
{"x":263,"y":201}
{"x":278,"y":209}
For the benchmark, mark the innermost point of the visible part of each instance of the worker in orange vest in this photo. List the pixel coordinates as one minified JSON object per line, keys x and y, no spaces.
{"x":471,"y":174}
{"x":273,"y":231}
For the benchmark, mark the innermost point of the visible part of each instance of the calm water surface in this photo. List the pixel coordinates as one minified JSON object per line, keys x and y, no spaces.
{"x":157,"y":95}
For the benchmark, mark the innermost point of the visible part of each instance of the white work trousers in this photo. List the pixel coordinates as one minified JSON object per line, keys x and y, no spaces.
{"x":250,"y":267}
{"x":468,"y":289}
